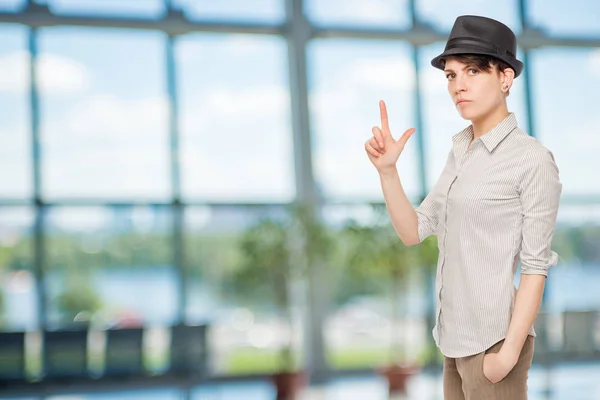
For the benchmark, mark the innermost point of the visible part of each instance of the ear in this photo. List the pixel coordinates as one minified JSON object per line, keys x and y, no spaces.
{"x":506,"y":79}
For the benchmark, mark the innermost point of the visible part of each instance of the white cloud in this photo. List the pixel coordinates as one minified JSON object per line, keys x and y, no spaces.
{"x":228,"y":46}
{"x":56,"y":74}
{"x":108,"y":116}
{"x":381,"y":73}
{"x":327,"y":101}
{"x":61,"y":75}
{"x":245,"y":44}
{"x":374,"y":11}
{"x":81,"y":219}
{"x":256,"y":101}
{"x":594,"y":62}
{"x":359,"y":87}
{"x":234,"y":143}
{"x":14,"y":76}
{"x":458,"y":7}
{"x":15,"y":162}
{"x":223,"y":111}
{"x":106,"y":146}
{"x":257,"y":175}
{"x":238,"y":143}
{"x":433,"y":81}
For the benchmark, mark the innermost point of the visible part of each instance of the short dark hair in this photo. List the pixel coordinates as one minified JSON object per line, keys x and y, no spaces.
{"x":480,"y":61}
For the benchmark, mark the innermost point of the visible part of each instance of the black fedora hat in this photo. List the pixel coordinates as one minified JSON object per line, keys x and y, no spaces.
{"x":473,"y":34}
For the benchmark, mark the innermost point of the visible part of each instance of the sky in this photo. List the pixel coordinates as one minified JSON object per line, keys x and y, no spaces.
{"x":105,"y":121}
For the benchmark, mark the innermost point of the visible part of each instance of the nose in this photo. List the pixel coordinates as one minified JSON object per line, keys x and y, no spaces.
{"x":459,"y":84}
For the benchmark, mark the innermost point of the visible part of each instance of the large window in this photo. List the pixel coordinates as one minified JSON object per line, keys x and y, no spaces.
{"x":153,"y":172}
{"x":103,"y":114}
{"x":347,"y":79}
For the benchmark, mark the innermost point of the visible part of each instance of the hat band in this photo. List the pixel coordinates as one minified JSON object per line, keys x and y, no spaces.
{"x":477,"y":44}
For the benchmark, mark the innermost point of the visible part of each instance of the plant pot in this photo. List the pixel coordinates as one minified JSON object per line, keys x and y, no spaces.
{"x":288,"y":384}
{"x":398,"y":377}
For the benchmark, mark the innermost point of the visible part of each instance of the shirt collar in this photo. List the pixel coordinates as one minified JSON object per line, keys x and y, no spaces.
{"x":492,"y":138}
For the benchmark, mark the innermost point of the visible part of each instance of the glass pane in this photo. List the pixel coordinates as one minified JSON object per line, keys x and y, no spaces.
{"x":361,"y":328}
{"x":15,"y":144}
{"x":441,"y":120}
{"x":138,"y":8}
{"x":374,"y":13}
{"x":17,"y":281}
{"x":574,"y":280}
{"x":236,"y":137}
{"x":442,"y":14}
{"x":103,"y":123}
{"x":106,"y":265}
{"x":346,"y":81}
{"x":250,"y":10}
{"x":11,"y":5}
{"x":233,"y":294}
{"x":559,"y":17}
{"x":569,"y":128}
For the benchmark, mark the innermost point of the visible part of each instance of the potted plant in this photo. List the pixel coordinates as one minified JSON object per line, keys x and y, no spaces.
{"x":376,"y":249}
{"x":274,"y":253}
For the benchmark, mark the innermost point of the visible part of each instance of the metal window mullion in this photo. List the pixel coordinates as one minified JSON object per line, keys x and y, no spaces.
{"x":420,"y":135}
{"x":174,"y":161}
{"x":39,"y":207}
{"x":298,"y":33}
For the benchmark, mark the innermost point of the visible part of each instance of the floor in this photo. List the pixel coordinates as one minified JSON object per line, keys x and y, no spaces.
{"x":567,"y":382}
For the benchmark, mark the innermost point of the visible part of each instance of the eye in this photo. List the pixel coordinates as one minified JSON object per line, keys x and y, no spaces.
{"x":473,"y":71}
{"x":450,"y":76}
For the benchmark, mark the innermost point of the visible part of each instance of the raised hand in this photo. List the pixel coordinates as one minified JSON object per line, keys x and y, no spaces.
{"x":382,"y":149}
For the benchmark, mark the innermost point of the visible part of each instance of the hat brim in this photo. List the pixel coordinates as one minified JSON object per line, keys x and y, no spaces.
{"x":515,"y":64}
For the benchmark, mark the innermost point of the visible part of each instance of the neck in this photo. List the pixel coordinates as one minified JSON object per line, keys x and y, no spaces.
{"x":489,"y":121}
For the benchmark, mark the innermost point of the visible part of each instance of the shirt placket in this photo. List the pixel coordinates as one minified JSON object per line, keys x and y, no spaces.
{"x":461,"y":163}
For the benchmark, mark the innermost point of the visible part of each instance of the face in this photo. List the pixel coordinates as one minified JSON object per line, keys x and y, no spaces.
{"x":475,"y":93}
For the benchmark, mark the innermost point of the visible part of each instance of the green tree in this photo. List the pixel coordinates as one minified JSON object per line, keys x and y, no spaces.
{"x":375,"y":252}
{"x":274,"y":253}
{"x":78,"y":298}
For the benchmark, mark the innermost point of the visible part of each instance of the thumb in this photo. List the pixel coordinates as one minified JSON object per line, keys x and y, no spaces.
{"x":401,"y":142}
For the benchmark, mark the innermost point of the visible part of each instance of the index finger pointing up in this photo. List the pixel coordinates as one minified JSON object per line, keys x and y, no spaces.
{"x":384,"y":117}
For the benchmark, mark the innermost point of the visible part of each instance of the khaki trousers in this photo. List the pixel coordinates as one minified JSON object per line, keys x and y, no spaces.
{"x":464,"y":379}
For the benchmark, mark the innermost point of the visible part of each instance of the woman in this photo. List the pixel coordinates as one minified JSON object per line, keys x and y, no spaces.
{"x":494,"y":206}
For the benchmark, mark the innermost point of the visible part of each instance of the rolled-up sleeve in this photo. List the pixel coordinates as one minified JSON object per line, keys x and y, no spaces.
{"x":540,"y":191}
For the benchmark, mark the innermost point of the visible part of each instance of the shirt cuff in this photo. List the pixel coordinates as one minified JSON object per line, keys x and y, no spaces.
{"x":540,"y":268}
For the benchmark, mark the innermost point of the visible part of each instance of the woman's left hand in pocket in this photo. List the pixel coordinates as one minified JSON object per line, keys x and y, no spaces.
{"x":497,"y":365}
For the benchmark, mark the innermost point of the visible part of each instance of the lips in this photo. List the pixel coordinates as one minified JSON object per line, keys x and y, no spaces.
{"x":462,"y":101}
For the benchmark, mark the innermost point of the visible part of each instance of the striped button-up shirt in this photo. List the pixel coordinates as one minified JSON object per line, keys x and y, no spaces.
{"x":494,"y":206}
